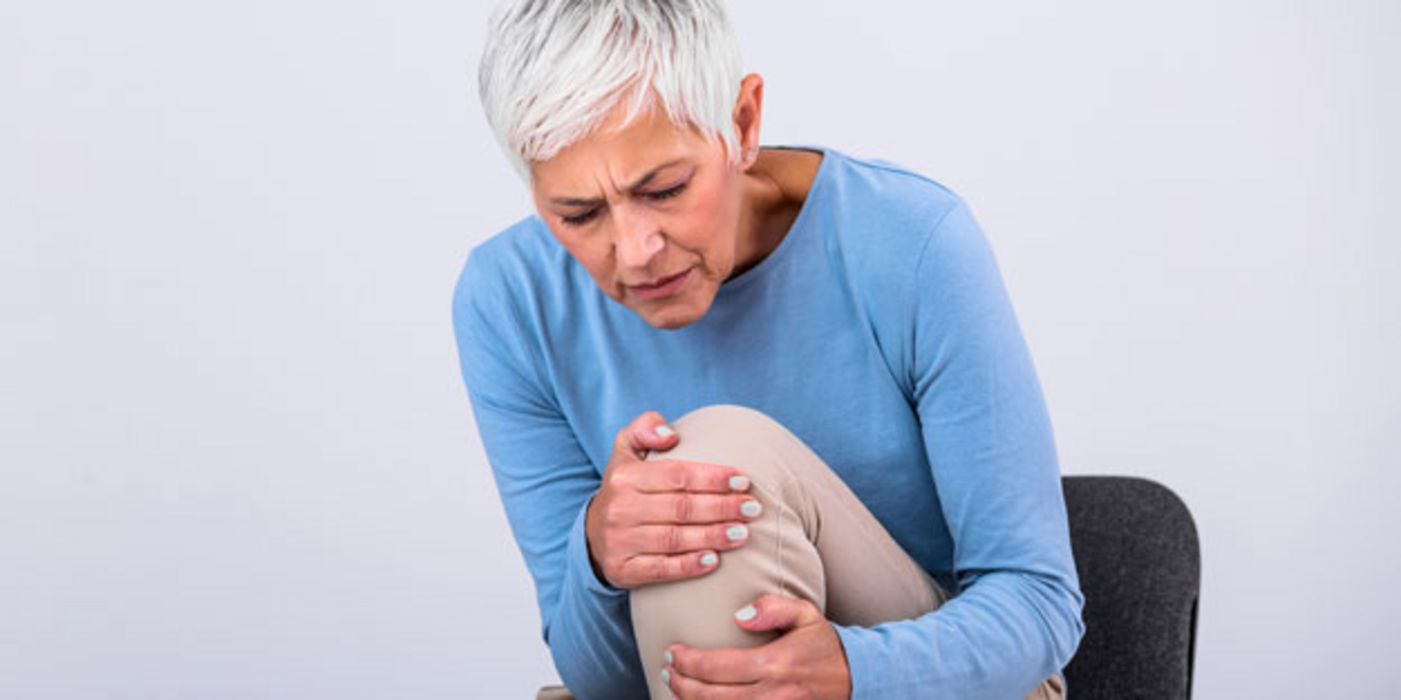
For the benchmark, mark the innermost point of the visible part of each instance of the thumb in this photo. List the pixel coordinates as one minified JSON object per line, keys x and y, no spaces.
{"x":775,"y":612}
{"x":649,"y":431}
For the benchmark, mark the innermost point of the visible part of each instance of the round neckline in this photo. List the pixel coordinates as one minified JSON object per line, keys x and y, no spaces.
{"x":759,"y":269}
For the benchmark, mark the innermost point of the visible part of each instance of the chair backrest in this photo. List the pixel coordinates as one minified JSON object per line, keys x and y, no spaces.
{"x":1139,"y":562}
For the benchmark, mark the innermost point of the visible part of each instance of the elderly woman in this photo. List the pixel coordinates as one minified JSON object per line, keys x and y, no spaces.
{"x":761,"y":417}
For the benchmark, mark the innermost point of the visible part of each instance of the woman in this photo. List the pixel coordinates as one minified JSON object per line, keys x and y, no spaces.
{"x":858,"y":495}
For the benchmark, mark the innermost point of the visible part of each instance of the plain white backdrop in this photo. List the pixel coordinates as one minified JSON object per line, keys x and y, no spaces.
{"x":236,"y":457}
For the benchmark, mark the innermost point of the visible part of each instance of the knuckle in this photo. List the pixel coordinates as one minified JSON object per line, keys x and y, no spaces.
{"x":670,"y":539}
{"x":682,"y":508}
{"x":680,"y":478}
{"x":679,"y":567}
{"x":611,"y":518}
{"x":619,"y":476}
{"x":722,"y":508}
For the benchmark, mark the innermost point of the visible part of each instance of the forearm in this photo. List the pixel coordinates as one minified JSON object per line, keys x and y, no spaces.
{"x":997,"y":640}
{"x":590,"y":630}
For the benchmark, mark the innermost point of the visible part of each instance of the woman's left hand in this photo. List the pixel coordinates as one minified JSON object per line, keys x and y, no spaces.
{"x":807,"y":661}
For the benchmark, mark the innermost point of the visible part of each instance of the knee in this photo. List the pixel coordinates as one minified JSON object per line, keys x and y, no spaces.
{"x":720,"y":419}
{"x":747,"y":438}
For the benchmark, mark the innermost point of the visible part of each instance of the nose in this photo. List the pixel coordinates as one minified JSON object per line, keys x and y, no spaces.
{"x":638,"y":241}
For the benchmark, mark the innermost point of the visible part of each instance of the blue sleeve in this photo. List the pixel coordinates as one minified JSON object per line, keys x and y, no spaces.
{"x":546,"y":482}
{"x":1017,"y":616}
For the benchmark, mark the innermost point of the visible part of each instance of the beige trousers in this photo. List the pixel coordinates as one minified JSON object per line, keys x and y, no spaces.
{"x":814,"y":540}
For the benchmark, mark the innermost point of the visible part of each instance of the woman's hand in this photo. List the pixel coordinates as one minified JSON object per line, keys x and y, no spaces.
{"x":663,"y":520}
{"x":807,"y":661}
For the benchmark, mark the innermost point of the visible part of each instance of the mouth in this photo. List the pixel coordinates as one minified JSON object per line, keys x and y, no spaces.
{"x":663,"y":287}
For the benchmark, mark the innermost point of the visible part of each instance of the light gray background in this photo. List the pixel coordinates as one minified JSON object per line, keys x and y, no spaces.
{"x":237,"y":458}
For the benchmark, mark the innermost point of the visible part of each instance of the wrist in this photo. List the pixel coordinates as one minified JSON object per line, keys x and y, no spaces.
{"x":588,"y":543}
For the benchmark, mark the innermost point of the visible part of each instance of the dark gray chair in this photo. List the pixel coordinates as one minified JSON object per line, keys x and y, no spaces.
{"x":1139,"y":561}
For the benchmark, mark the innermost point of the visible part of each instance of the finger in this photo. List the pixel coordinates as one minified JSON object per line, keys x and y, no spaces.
{"x":673,"y":539}
{"x":684,"y":508}
{"x":775,"y":612}
{"x":680,"y":475}
{"x":648,"y":431}
{"x":657,"y":568}
{"x":719,"y":666}
{"x":684,"y":687}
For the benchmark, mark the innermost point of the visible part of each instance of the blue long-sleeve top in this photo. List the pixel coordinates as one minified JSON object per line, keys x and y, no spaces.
{"x":880,"y":332}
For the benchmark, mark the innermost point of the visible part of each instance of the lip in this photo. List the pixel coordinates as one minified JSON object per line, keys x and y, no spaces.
{"x":664,"y":288}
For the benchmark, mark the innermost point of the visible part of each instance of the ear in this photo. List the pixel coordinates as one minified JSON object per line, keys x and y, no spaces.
{"x":747,"y":113}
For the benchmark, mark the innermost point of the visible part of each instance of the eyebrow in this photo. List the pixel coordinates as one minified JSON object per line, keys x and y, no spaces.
{"x":641,"y":182}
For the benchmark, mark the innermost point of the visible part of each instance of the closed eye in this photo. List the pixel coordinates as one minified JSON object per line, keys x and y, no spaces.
{"x":584,"y":218}
{"x":666,"y":193}
{"x":580,"y":219}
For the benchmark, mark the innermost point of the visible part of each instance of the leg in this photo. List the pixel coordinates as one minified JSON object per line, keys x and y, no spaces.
{"x":815,"y":540}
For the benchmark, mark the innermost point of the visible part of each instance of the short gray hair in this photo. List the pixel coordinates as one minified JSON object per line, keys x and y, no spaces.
{"x":553,"y":69}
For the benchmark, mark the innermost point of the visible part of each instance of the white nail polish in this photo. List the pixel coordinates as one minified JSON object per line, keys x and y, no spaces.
{"x":667,"y":655}
{"x":709,"y":559}
{"x":666,"y":677}
{"x":665,"y":430}
{"x":736,"y":533}
{"x":739,"y":483}
{"x":746,"y":613}
{"x":751,"y":509}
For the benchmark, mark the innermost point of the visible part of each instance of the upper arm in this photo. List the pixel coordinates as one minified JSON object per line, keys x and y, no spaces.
{"x":983,"y":417}
{"x":542,"y":473}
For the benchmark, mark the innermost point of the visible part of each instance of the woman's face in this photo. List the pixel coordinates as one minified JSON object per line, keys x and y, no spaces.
{"x":647,"y":203}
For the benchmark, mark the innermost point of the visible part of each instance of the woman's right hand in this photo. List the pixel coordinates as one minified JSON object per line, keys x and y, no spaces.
{"x":663,"y":520}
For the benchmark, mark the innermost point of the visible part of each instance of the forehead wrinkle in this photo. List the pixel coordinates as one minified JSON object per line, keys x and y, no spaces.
{"x":608,"y":181}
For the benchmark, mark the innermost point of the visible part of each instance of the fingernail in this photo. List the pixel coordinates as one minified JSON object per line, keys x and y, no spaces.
{"x":751,"y":509}
{"x":736,"y":533}
{"x":665,"y":430}
{"x":739,"y":483}
{"x":666,"y":677}
{"x":709,"y":559}
{"x":667,"y":655}
{"x":746,"y":613}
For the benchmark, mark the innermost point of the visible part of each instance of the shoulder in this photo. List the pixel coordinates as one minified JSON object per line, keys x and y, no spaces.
{"x":513,"y":265}
{"x":879,"y":217}
{"x":879,"y":221}
{"x":883,"y":217}
{"x":898,"y":201}
{"x":515,"y":246}
{"x":492,"y":299}
{"x":489,"y":281}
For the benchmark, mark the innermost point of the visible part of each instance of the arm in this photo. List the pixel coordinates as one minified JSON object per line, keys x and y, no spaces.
{"x":546,"y":482}
{"x":989,"y":442}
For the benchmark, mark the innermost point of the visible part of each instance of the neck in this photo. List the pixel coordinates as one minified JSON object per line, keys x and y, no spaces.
{"x":772,"y":193}
{"x":761,"y":195}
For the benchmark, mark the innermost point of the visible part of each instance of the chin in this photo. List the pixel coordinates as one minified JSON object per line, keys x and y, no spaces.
{"x":674,"y":313}
{"x":669,"y":318}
